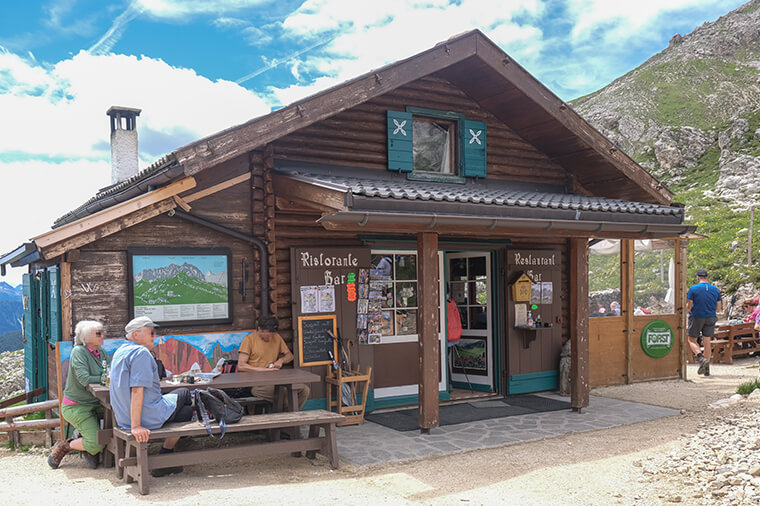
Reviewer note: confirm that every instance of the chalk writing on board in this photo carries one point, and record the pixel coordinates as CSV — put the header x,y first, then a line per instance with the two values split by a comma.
x,y
314,341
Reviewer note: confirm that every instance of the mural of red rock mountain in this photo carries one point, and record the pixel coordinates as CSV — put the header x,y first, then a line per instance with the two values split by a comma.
x,y
178,356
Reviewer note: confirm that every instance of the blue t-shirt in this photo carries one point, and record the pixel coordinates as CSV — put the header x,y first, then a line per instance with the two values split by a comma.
x,y
134,366
704,297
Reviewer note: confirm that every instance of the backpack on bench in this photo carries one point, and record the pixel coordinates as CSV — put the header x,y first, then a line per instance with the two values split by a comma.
x,y
213,402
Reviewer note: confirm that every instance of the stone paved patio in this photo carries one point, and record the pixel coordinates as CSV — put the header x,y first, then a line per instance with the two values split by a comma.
x,y
370,443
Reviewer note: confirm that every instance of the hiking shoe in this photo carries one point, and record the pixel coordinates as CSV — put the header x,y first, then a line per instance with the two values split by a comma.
x,y
707,368
704,365
92,460
158,473
60,449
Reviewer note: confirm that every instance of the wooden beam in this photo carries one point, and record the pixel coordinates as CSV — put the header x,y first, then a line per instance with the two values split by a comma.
x,y
627,286
182,203
535,91
427,329
680,303
234,141
578,324
317,196
107,229
112,213
217,187
66,310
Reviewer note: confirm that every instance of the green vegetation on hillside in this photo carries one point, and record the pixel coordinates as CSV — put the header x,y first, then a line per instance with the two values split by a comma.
x,y
181,289
684,92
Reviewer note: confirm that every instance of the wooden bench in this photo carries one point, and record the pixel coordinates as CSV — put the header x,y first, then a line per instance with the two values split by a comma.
x,y
734,340
134,463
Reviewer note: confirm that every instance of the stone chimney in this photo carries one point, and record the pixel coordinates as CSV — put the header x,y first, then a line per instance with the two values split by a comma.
x,y
123,142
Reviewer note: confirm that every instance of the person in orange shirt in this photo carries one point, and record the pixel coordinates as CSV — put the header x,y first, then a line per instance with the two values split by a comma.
x,y
265,350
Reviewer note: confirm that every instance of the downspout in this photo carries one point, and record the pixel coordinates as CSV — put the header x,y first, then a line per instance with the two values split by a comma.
x,y
243,237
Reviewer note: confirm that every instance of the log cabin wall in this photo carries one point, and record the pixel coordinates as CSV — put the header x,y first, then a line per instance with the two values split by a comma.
x,y
358,138
99,277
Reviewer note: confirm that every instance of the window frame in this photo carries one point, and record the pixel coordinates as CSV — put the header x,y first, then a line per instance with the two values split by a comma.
x,y
457,162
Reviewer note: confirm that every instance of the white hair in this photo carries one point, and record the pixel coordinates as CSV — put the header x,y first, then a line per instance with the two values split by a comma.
x,y
84,330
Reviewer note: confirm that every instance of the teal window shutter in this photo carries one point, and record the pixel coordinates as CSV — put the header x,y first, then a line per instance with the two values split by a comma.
x,y
400,156
54,304
474,142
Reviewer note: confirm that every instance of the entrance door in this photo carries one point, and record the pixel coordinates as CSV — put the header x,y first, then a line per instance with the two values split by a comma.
x,y
468,277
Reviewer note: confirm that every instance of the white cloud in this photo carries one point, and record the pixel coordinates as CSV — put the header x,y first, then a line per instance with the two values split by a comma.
x,y
64,106
180,9
54,138
370,35
42,192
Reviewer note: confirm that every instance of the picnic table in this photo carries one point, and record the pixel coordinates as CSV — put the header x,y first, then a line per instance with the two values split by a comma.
x,y
131,458
732,340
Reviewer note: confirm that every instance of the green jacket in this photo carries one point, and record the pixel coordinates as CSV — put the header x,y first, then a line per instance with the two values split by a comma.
x,y
83,370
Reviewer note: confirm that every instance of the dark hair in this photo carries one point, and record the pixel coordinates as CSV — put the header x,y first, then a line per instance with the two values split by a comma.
x,y
269,323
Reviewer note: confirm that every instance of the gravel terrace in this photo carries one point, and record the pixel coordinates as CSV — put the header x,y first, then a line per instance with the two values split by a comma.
x,y
707,455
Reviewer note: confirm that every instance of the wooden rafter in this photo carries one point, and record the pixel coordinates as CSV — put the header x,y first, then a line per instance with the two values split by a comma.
x,y
106,229
315,196
112,213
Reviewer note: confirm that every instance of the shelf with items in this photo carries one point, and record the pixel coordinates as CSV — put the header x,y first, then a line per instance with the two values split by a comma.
x,y
334,381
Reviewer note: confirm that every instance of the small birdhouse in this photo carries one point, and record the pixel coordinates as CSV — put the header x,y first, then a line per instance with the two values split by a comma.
x,y
521,288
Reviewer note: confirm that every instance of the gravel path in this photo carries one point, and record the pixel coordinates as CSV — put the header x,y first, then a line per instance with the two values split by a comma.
x,y
707,455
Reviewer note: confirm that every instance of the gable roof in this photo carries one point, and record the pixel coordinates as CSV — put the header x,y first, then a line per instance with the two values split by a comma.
x,y
487,74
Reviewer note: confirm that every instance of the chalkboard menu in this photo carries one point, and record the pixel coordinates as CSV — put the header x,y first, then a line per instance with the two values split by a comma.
x,y
314,341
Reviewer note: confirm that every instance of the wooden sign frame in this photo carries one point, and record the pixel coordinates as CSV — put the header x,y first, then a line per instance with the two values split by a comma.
x,y
301,319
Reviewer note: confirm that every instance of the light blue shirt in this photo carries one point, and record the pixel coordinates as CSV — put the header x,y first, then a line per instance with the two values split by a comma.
x,y
134,366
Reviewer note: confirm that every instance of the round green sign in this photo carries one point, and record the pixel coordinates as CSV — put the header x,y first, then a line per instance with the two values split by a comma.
x,y
657,339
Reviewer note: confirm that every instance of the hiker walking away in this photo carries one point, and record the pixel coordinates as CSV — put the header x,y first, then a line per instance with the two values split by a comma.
x,y
703,300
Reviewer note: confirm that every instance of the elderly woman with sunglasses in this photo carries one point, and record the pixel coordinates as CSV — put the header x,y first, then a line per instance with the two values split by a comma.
x,y
78,406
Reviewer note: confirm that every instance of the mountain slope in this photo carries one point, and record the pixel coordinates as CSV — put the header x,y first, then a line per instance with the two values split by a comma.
x,y
690,115
10,307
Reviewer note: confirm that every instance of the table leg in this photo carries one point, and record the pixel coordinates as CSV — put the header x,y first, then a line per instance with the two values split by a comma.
x,y
278,404
295,432
110,451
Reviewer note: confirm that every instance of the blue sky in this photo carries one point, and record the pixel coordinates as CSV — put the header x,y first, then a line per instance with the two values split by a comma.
x,y
195,67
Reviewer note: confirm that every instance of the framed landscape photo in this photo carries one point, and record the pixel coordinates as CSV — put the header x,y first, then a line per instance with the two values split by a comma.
x,y
180,286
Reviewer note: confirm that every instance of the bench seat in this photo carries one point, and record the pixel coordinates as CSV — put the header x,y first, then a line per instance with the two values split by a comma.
x,y
134,463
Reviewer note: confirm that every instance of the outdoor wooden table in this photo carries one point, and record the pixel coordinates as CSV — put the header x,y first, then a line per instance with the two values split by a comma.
x,y
282,379
734,339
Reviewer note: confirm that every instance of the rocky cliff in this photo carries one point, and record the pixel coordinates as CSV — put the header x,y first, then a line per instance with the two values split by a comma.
x,y
690,115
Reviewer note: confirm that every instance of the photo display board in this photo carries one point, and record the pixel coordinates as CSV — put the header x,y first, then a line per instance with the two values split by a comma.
x,y
326,281
314,340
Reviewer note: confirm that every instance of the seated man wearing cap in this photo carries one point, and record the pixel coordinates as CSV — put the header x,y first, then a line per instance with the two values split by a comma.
x,y
136,390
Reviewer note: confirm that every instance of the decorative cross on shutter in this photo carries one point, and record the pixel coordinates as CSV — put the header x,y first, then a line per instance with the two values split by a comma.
x,y
474,141
400,155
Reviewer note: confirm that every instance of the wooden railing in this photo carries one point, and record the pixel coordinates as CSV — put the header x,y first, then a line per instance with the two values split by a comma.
x,y
14,426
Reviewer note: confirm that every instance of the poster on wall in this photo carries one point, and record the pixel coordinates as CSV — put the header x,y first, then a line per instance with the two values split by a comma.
x,y
309,299
180,286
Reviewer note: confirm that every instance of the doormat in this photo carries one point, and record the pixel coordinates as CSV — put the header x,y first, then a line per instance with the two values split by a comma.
x,y
452,414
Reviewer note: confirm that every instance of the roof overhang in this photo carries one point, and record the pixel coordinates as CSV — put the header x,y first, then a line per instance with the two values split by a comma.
x,y
490,225
19,256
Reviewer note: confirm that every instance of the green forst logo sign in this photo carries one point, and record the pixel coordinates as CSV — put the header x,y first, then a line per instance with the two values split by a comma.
x,y
657,339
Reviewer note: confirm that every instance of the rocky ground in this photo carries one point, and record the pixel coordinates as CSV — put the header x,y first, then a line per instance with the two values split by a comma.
x,y
11,373
705,455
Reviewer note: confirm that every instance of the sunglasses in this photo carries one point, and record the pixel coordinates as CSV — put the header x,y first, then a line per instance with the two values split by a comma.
x,y
98,332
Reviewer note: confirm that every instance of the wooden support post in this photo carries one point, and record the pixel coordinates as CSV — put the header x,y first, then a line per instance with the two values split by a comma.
x,y
578,324
628,282
680,303
427,328
66,311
